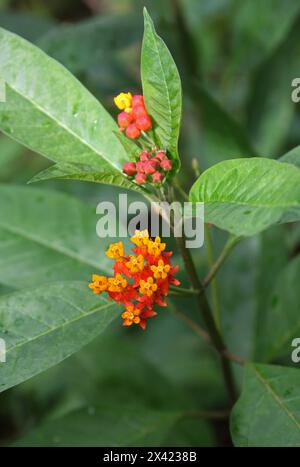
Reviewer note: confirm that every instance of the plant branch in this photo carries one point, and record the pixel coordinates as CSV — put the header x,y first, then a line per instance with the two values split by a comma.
x,y
214,285
231,243
205,310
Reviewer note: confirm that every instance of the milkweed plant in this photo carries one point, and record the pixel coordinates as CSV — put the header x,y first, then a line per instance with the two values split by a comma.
x,y
49,111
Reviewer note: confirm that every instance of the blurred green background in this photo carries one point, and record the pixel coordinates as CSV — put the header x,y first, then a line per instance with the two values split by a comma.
x,y
237,60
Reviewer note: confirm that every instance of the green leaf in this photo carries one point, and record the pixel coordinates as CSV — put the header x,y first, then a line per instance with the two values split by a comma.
x,y
162,89
292,157
280,321
115,426
80,45
43,326
69,171
245,196
268,411
47,236
48,110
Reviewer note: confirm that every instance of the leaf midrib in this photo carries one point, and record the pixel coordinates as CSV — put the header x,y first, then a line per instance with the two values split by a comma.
x,y
61,125
53,329
276,397
55,248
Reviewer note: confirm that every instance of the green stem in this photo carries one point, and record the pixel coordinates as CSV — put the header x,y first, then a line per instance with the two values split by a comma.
x,y
214,285
231,243
182,290
205,310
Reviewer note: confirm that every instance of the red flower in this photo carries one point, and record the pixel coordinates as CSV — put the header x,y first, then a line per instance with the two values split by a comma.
x,y
141,280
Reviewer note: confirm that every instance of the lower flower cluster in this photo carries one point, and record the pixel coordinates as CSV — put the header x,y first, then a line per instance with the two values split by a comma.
x,y
141,280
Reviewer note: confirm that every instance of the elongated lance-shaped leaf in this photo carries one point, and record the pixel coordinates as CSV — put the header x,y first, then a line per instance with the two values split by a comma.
x,y
48,110
71,171
162,89
48,236
245,196
267,413
43,326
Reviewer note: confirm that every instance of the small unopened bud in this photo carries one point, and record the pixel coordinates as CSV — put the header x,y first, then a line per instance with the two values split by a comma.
x,y
157,177
124,119
129,168
166,164
140,178
137,100
143,123
161,155
139,111
132,131
144,156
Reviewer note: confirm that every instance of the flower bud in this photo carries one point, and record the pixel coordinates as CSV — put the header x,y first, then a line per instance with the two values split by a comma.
x,y
129,168
144,156
137,100
143,123
166,164
150,167
132,131
140,166
124,119
157,177
161,155
139,111
140,178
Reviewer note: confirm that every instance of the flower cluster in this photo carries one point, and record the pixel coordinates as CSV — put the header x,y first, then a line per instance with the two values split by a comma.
x,y
151,167
134,117
141,280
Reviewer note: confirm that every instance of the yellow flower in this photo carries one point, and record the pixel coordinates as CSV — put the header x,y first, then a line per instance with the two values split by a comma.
x,y
123,101
147,287
135,263
140,237
131,315
155,248
117,283
115,250
161,270
99,284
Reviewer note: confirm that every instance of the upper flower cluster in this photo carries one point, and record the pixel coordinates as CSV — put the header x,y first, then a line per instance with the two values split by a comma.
x,y
140,280
134,117
152,166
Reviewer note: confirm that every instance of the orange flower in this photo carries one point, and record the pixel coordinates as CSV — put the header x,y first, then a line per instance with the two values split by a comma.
x,y
147,287
117,283
161,270
131,316
135,263
140,237
155,248
99,284
115,251
138,292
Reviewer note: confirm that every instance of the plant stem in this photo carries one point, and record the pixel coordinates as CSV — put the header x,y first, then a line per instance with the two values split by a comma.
x,y
183,290
214,285
204,335
231,243
204,307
